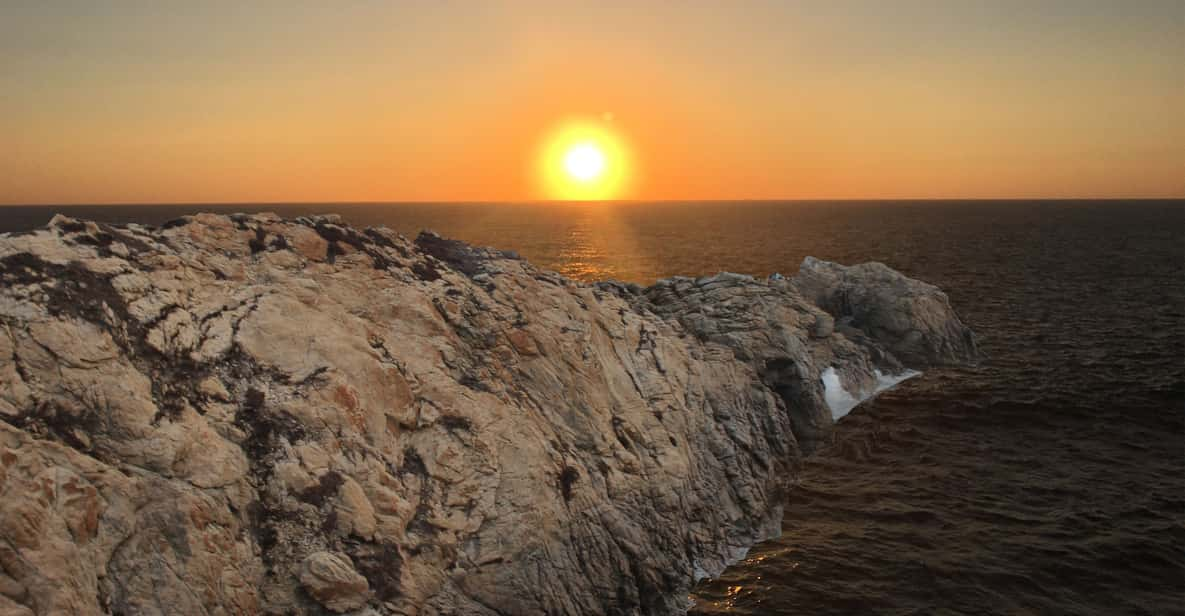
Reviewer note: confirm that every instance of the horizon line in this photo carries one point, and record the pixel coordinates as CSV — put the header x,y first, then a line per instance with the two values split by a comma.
x,y
580,201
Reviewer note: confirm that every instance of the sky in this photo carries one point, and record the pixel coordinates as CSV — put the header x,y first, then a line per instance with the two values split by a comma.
x,y
202,102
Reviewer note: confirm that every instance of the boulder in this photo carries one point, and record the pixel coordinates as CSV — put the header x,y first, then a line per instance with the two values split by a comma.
x,y
910,318
333,582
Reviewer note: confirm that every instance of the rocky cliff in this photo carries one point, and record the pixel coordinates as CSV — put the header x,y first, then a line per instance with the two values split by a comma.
x,y
244,414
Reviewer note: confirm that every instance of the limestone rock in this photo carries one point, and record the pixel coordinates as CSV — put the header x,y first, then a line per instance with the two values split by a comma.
x,y
245,414
333,582
824,326
908,317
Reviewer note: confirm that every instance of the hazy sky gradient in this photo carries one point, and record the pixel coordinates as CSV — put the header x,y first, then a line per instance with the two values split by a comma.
x,y
293,101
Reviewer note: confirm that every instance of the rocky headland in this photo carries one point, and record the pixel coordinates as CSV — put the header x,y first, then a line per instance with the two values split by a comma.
x,y
245,415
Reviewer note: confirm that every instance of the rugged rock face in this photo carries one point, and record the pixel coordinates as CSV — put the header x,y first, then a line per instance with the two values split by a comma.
x,y
241,415
872,302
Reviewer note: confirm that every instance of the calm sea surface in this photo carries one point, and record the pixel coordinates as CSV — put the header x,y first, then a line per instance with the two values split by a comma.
x,y
1049,479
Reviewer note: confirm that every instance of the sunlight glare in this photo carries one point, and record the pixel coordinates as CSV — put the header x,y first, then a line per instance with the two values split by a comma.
x,y
583,160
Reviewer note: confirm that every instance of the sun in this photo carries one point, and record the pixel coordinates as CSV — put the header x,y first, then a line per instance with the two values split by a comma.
x,y
585,162
584,159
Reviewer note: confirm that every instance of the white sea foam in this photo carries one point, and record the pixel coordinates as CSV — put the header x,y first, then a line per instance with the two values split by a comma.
x,y
889,381
838,399
841,401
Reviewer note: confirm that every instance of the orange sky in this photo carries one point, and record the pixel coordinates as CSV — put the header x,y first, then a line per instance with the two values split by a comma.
x,y
209,102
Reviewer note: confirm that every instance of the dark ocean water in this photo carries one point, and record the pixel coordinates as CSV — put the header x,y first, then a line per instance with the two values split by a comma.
x,y
1048,479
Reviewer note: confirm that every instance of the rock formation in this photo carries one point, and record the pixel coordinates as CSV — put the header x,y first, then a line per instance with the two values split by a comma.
x,y
244,414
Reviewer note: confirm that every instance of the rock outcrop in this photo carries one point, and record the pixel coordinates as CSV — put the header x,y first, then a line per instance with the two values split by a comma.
x,y
244,414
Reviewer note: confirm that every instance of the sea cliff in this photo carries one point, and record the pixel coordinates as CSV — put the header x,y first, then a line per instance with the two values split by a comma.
x,y
245,414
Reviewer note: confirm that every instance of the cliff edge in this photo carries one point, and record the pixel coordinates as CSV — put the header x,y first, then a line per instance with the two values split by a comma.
x,y
245,414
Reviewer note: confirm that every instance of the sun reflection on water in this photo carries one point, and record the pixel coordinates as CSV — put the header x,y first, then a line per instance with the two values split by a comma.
x,y
597,244
581,259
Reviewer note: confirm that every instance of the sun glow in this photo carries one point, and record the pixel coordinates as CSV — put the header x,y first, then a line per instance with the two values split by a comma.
x,y
584,160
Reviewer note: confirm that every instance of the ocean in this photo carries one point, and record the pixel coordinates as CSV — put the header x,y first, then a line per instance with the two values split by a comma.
x,y
1047,479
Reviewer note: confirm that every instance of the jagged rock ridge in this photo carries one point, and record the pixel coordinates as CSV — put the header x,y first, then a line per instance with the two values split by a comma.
x,y
244,414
